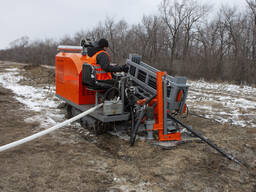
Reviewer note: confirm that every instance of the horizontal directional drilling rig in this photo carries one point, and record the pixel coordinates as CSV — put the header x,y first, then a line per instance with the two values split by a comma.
x,y
76,84
142,96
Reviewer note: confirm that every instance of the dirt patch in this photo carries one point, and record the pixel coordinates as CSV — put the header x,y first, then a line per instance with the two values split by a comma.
x,y
12,125
37,75
108,163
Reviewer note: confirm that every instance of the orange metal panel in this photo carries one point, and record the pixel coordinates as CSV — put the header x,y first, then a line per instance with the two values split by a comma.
x,y
169,137
159,119
159,125
68,76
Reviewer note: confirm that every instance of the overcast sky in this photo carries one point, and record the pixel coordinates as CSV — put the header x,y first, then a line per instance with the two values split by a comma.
x,y
40,19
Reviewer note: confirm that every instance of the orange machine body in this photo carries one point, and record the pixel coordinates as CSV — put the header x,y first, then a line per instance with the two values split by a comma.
x,y
68,78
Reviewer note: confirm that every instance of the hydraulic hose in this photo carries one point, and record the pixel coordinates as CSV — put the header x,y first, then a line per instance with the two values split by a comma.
x,y
134,130
109,91
132,119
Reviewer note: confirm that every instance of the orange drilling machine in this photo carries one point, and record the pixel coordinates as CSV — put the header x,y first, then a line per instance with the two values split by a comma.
x,y
142,100
143,96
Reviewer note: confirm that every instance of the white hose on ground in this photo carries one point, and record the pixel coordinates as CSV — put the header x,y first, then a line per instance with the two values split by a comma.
x,y
40,134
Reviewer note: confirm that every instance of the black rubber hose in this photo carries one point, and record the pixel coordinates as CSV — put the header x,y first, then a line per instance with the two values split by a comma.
x,y
230,157
109,91
141,116
132,119
134,131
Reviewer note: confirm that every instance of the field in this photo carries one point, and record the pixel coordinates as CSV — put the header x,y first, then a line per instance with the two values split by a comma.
x,y
73,159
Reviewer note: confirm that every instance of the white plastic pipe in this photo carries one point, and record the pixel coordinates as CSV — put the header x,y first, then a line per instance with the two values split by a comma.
x,y
42,133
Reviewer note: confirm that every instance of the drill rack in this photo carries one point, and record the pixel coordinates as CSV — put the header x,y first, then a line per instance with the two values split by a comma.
x,y
171,95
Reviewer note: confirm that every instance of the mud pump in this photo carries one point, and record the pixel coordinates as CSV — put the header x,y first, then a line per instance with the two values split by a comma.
x,y
142,96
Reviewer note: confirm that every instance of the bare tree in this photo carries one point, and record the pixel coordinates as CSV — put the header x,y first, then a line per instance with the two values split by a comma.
x,y
173,14
194,13
20,42
252,6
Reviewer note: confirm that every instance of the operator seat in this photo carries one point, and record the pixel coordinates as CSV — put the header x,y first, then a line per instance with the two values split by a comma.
x,y
90,81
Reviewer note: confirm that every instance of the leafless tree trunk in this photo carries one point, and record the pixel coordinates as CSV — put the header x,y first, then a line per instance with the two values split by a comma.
x,y
173,14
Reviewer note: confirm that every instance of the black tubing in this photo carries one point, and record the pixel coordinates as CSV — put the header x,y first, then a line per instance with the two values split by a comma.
x,y
132,119
141,116
134,131
109,91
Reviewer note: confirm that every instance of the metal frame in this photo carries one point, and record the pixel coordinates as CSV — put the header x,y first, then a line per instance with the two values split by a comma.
x,y
166,87
173,83
98,114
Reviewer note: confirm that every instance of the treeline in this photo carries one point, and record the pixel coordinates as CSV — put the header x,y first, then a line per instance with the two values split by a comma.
x,y
181,39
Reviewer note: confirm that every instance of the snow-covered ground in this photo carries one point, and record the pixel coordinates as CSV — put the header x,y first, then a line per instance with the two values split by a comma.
x,y
223,102
39,99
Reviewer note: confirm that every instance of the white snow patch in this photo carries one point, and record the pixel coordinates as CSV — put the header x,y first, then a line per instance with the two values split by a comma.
x,y
38,99
124,185
226,103
12,69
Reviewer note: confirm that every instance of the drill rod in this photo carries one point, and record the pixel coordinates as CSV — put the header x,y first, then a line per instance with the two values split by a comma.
x,y
228,156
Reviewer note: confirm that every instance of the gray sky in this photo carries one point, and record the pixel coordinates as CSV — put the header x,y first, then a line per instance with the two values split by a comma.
x,y
40,19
